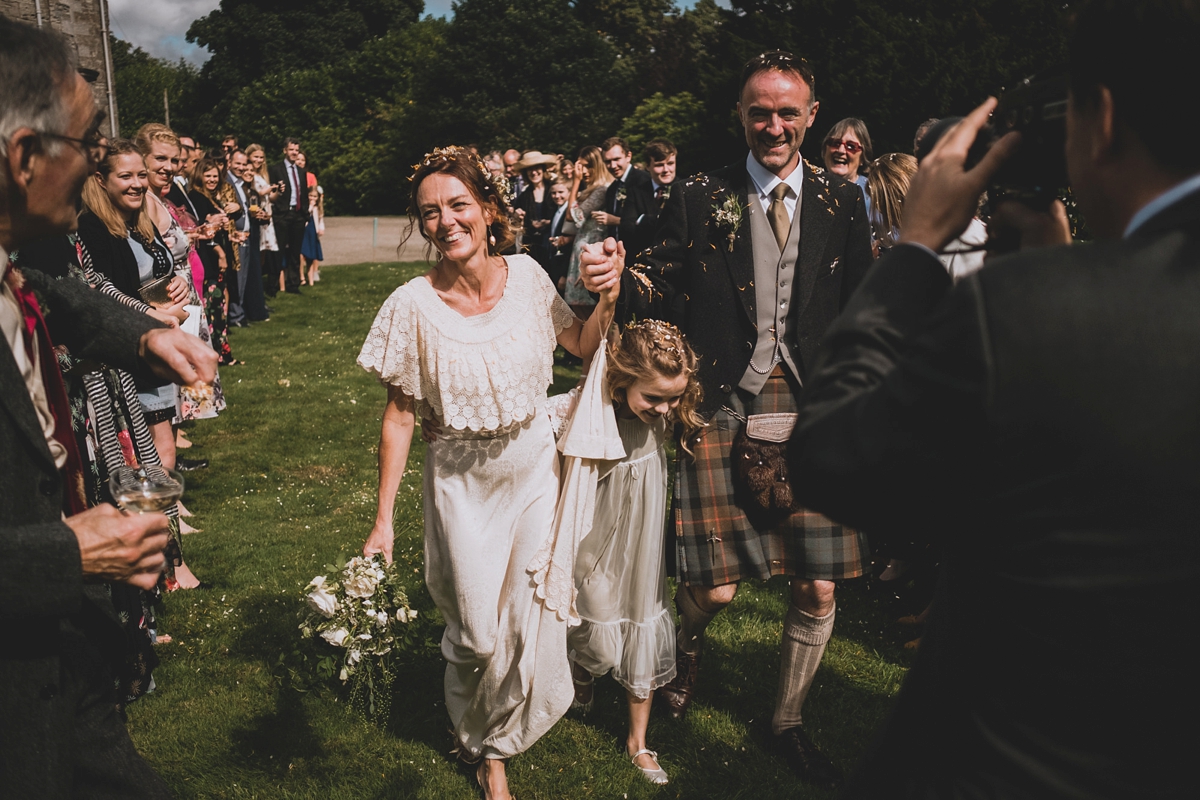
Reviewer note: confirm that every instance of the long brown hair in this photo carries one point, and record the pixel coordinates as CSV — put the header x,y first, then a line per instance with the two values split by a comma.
x,y
469,168
887,184
598,175
196,179
649,349
99,203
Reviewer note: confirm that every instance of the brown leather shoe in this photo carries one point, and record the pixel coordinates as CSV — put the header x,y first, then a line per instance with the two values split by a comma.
x,y
806,760
677,695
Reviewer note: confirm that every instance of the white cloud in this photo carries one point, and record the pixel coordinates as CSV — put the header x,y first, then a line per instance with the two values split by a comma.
x,y
160,26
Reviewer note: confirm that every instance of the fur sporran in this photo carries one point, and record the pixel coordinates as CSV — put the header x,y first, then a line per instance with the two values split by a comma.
x,y
760,461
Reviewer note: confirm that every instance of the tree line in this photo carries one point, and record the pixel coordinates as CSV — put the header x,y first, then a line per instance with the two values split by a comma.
x,y
370,85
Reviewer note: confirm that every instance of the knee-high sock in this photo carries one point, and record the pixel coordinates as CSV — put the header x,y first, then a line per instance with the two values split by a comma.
x,y
692,621
804,638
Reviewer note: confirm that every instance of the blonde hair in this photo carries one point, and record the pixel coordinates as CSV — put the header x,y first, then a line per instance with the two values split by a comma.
x,y
262,171
99,203
649,349
153,133
598,175
887,184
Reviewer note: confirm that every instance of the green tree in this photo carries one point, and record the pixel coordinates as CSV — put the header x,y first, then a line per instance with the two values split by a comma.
x,y
140,81
679,118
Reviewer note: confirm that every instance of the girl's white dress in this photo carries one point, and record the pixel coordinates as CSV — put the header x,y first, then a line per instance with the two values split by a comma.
x,y
490,486
620,569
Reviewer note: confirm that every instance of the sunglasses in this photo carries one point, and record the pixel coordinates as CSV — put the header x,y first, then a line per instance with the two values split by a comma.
x,y
853,148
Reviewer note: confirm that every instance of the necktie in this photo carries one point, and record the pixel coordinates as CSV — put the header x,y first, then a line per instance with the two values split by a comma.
x,y
660,193
295,183
778,215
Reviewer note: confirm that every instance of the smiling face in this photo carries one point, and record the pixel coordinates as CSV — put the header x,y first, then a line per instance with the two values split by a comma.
x,y
535,175
653,397
257,159
559,193
843,156
162,162
126,184
664,171
238,164
776,110
211,179
452,218
617,159
292,152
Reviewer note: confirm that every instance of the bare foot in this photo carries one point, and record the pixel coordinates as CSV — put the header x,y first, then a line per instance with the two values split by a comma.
x,y
181,441
162,638
185,577
492,778
185,528
183,512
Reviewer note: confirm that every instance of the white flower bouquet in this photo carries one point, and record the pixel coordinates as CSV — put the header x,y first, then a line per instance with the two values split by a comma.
x,y
364,613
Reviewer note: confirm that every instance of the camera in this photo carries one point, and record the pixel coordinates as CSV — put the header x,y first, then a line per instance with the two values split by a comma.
x,y
1037,109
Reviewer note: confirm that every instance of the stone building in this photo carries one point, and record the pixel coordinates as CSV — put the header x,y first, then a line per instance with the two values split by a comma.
x,y
85,23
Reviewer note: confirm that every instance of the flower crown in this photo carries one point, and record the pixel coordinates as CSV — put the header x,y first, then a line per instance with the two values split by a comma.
x,y
663,336
442,155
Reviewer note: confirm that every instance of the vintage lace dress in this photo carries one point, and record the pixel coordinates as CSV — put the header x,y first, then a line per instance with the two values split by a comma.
x,y
620,569
490,486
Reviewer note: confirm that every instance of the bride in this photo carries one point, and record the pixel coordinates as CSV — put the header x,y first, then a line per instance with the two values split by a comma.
x,y
468,347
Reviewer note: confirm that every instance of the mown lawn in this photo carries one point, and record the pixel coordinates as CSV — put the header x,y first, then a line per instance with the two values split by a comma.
x,y
292,486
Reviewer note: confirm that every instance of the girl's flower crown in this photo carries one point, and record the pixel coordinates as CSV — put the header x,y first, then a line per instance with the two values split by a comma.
x,y
663,336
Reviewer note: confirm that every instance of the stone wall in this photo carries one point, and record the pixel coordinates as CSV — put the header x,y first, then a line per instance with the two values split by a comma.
x,y
80,22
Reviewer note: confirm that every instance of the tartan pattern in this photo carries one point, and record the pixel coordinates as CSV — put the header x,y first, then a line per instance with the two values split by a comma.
x,y
718,542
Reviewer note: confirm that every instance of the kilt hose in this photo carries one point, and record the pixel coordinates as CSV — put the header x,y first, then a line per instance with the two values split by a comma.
x,y
721,537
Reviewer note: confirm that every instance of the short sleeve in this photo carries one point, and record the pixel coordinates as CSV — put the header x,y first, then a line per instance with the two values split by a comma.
x,y
391,351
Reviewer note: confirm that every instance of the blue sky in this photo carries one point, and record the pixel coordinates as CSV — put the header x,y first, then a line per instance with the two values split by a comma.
x,y
160,26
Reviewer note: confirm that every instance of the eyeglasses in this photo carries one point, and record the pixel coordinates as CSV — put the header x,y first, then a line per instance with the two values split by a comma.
x,y
853,148
93,147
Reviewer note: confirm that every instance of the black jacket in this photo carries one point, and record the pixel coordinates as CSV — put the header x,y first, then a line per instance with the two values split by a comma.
x,y
285,202
690,277
635,193
1041,420
112,257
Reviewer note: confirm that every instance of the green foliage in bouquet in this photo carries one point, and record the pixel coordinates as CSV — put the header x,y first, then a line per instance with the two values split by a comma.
x,y
362,612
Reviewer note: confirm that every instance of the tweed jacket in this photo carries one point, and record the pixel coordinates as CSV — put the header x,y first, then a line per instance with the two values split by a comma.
x,y
693,278
51,618
1040,420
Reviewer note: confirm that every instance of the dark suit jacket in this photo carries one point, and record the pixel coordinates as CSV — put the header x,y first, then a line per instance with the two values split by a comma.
x,y
285,202
54,623
640,220
639,195
1041,420
690,277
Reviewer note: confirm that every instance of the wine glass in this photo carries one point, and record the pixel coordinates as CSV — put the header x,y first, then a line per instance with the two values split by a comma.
x,y
145,488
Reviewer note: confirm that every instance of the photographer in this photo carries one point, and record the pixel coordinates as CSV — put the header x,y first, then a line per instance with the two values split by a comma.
x,y
1047,405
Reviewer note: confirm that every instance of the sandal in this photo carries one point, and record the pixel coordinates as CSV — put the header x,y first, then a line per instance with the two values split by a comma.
x,y
658,775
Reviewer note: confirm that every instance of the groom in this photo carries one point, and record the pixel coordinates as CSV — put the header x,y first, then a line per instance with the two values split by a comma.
x,y
762,255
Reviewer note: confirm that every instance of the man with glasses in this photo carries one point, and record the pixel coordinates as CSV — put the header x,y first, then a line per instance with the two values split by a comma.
x,y
760,256
60,733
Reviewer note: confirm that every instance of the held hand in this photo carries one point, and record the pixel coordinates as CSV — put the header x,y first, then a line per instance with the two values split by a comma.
x,y
601,264
380,541
178,289
943,194
166,318
430,431
231,208
178,357
115,546
1018,225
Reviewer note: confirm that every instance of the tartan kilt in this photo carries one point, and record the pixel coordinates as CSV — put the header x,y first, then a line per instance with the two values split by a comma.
x,y
721,537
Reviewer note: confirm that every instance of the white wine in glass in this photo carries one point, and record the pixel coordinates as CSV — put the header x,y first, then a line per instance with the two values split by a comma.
x,y
145,489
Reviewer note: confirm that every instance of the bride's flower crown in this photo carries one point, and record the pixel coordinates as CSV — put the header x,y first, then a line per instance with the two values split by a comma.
x,y
443,155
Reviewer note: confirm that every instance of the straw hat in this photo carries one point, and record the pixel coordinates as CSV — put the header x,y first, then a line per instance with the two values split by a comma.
x,y
535,158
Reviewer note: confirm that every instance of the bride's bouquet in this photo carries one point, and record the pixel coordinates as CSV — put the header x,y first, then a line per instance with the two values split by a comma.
x,y
362,611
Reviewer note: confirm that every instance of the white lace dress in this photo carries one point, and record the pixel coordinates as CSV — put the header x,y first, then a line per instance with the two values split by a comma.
x,y
620,569
490,486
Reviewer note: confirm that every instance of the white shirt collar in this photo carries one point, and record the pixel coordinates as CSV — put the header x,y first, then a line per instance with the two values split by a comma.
x,y
625,174
765,181
1165,200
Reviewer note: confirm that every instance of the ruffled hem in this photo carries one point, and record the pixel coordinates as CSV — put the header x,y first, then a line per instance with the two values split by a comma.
x,y
640,655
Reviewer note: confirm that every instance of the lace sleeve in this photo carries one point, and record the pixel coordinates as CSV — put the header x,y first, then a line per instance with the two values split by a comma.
x,y
560,313
391,351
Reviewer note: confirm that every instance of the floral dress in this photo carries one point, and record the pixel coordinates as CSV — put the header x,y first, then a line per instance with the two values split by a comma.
x,y
588,232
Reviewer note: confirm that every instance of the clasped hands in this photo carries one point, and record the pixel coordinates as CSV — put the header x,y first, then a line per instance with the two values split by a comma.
x,y
942,197
600,267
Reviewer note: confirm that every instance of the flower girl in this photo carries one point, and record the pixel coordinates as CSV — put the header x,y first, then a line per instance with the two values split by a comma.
x,y
620,569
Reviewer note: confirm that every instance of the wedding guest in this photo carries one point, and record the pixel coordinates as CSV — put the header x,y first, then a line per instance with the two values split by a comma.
x,y
589,189
565,169
62,734
206,183
560,238
641,213
310,250
290,211
847,153
508,679
620,569
630,187
887,183
533,206
268,245
229,145
250,305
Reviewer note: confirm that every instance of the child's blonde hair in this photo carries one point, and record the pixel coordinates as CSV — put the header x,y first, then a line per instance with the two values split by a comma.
x,y
648,349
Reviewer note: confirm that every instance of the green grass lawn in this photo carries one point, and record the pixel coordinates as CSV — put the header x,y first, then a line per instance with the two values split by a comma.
x,y
292,487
